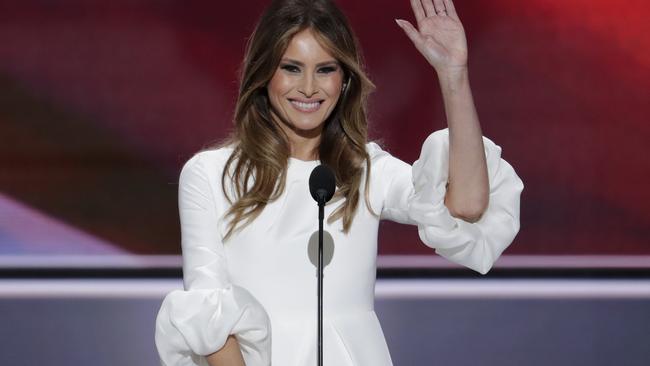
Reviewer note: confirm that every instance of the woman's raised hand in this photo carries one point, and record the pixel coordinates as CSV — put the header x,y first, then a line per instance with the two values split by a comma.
x,y
440,36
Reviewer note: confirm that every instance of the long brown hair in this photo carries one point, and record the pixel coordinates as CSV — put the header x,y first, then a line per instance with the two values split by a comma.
x,y
261,148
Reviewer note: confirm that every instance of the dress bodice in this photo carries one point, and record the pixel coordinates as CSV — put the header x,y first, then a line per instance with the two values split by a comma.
x,y
261,283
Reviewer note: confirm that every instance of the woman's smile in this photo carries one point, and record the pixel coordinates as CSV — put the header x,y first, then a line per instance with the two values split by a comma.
x,y
306,106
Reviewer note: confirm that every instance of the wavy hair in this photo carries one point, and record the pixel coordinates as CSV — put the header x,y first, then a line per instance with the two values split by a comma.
x,y
257,167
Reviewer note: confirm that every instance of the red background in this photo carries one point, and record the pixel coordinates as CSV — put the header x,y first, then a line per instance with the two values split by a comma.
x,y
102,102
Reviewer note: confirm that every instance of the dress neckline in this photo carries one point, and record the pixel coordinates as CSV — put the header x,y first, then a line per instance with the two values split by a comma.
x,y
305,164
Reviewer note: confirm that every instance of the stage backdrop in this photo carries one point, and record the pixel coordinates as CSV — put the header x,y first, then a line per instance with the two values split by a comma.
x,y
102,102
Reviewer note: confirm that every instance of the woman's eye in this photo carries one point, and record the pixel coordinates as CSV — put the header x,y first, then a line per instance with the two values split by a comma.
x,y
290,68
328,69
296,69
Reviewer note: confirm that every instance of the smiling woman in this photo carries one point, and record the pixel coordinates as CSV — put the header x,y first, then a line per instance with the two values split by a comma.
x,y
303,92
300,53
246,212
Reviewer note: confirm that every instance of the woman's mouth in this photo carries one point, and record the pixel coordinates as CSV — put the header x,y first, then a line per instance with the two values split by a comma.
x,y
306,107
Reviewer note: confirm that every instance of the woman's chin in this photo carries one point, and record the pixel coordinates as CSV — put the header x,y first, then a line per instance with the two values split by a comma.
x,y
300,125
307,129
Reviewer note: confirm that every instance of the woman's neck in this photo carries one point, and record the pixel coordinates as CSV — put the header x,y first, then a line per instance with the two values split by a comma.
x,y
304,151
303,143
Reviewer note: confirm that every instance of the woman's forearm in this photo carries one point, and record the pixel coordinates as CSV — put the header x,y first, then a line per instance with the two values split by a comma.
x,y
468,191
228,355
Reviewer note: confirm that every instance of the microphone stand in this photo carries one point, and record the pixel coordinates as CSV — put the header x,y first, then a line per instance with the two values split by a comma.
x,y
322,185
321,215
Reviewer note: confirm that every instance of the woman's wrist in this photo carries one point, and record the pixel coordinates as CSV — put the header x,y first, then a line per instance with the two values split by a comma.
x,y
228,355
453,78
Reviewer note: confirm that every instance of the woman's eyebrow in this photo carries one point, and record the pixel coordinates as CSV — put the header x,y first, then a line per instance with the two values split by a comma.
x,y
331,62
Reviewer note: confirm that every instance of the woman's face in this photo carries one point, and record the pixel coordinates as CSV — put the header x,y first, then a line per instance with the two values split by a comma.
x,y
305,87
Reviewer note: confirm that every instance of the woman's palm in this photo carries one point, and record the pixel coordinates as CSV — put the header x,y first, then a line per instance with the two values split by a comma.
x,y
444,41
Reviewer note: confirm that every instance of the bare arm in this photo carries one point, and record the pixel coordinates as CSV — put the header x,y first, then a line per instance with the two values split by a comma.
x,y
229,355
468,190
440,38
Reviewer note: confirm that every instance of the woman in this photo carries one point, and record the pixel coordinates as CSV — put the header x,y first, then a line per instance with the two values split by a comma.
x,y
247,216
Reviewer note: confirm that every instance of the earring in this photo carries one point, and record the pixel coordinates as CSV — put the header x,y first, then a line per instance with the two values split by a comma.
x,y
345,84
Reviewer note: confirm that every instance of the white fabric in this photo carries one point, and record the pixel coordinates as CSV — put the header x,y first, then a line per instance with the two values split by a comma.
x,y
260,285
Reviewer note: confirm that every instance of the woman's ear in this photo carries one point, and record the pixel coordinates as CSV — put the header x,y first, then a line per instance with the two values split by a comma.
x,y
345,84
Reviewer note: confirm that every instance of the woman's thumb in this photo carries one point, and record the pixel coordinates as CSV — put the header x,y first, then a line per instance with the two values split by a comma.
x,y
410,30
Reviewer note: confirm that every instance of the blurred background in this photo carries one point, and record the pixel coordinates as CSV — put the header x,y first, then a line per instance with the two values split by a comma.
x,y
101,103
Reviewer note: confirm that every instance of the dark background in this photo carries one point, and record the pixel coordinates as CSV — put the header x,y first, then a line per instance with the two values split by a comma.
x,y
102,102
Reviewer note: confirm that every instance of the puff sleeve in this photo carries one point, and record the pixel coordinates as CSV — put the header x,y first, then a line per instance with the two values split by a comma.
x,y
196,321
415,195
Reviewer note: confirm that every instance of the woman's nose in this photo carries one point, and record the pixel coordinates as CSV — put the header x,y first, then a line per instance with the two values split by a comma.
x,y
308,86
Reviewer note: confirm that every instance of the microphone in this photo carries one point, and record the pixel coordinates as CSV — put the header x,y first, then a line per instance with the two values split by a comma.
x,y
322,184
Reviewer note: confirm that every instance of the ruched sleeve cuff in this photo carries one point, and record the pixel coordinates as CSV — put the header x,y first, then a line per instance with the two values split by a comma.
x,y
196,323
474,245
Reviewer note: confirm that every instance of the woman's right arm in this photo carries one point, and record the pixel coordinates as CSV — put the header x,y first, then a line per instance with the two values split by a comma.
x,y
199,320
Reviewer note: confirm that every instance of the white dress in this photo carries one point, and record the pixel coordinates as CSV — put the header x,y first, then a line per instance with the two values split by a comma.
x,y
261,285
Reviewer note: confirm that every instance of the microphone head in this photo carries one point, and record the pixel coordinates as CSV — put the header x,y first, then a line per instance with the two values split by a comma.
x,y
322,184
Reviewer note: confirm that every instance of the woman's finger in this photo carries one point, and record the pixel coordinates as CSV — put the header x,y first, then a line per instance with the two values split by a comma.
x,y
410,31
429,9
417,10
440,7
451,9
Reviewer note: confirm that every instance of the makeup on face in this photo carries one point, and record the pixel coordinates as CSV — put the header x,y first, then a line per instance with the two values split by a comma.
x,y
305,87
